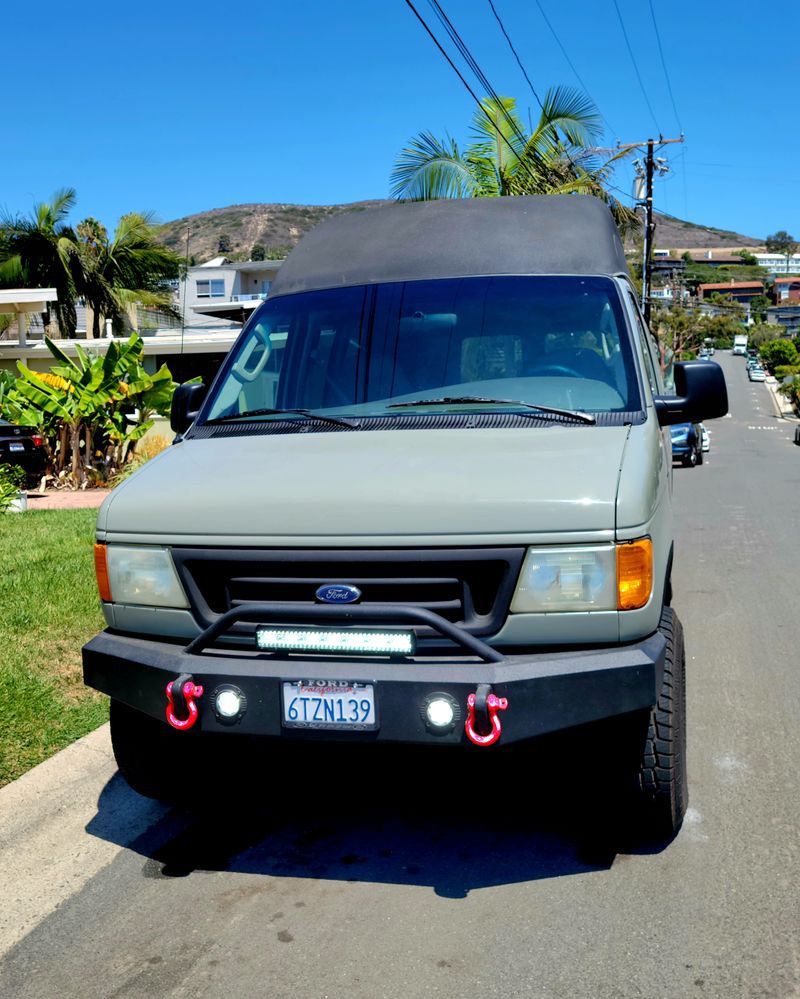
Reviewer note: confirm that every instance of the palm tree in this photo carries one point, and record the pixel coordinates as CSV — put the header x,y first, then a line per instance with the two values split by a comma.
x,y
41,251
130,269
558,157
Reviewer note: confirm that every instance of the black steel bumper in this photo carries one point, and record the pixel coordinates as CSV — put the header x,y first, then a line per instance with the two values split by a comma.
x,y
545,691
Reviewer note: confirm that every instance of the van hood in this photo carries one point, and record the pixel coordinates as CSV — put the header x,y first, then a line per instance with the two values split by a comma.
x,y
340,486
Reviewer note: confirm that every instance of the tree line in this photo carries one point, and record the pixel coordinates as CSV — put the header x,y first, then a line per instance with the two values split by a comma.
x,y
85,263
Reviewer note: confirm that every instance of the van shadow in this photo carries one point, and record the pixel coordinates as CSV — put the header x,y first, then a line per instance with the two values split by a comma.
x,y
452,821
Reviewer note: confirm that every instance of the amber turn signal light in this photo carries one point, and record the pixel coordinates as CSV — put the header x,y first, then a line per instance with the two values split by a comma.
x,y
101,571
634,574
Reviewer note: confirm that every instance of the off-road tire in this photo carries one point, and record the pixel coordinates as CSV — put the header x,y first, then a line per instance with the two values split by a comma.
x,y
156,761
661,794
691,458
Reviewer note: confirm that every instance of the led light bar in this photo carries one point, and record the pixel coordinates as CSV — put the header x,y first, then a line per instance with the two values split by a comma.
x,y
394,643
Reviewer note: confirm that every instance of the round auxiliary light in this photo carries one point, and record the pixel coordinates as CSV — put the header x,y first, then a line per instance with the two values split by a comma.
x,y
229,703
441,713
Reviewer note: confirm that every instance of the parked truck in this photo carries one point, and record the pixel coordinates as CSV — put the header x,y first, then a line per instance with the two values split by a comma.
x,y
427,499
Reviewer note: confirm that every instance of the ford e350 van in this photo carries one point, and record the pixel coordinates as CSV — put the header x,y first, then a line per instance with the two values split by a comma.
x,y
427,499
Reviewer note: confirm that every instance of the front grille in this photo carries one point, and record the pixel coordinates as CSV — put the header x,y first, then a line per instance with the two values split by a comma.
x,y
471,588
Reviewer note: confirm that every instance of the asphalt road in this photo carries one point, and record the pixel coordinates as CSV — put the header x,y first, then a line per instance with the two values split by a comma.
x,y
406,881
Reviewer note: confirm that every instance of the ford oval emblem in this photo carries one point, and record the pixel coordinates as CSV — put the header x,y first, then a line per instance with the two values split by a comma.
x,y
338,593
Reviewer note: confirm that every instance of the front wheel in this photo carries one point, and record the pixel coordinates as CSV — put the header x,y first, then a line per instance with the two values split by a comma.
x,y
660,792
645,789
691,458
152,757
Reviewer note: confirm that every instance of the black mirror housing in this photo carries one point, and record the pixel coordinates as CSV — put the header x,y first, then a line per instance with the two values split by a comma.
x,y
186,403
701,394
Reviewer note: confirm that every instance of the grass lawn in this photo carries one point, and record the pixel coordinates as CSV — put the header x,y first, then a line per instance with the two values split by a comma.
x,y
48,608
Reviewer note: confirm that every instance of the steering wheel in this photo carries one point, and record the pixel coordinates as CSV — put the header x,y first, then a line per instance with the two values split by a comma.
x,y
556,369
240,372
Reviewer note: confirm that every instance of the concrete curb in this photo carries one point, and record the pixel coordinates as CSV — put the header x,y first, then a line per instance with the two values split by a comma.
x,y
45,852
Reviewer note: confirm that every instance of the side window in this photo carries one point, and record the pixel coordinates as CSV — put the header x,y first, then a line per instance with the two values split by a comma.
x,y
651,366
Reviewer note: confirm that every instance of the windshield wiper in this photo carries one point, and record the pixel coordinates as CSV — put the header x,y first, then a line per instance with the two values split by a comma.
x,y
309,413
461,400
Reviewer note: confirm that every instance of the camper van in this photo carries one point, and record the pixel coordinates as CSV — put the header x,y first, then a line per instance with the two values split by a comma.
x,y
426,500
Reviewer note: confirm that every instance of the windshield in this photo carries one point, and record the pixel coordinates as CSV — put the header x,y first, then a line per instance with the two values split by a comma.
x,y
452,345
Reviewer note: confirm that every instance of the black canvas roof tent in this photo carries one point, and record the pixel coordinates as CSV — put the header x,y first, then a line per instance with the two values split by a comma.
x,y
417,241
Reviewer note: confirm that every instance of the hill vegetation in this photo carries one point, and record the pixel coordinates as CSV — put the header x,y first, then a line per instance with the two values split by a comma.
x,y
278,227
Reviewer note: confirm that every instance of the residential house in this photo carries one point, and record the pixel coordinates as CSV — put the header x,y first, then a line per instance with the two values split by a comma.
x,y
221,294
739,291
787,316
787,289
777,263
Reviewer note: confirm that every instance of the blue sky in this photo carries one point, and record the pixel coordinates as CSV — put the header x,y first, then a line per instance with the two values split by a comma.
x,y
178,108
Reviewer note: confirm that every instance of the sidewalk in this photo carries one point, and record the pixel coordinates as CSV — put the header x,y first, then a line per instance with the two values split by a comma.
x,y
783,406
66,499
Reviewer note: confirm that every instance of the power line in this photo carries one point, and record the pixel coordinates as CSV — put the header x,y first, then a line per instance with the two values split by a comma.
x,y
636,68
467,55
611,129
519,61
481,76
447,57
671,97
664,66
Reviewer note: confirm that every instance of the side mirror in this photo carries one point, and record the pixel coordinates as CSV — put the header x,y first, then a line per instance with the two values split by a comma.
x,y
701,394
186,403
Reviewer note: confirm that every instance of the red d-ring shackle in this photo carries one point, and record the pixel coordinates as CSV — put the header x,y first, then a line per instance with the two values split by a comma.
x,y
493,705
190,690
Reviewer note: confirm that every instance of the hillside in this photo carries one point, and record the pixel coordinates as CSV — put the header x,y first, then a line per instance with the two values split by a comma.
x,y
672,232
276,227
279,227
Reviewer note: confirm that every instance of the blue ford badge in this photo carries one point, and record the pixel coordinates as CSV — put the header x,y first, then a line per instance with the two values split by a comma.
x,y
338,593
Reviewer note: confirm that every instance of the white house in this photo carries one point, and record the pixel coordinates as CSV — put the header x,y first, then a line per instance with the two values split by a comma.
x,y
776,263
221,294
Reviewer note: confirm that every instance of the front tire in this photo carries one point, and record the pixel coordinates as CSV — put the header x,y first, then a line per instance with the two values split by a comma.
x,y
153,758
691,458
661,793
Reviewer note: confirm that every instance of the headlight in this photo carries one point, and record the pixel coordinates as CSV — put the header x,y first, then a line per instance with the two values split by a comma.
x,y
567,579
585,578
140,575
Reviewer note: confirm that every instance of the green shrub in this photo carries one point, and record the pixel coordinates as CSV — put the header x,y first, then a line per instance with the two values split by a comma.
x,y
12,480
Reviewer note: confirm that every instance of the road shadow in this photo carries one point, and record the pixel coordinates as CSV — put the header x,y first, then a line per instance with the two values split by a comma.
x,y
453,821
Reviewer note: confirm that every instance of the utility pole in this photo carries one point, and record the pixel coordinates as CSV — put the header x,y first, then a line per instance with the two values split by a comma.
x,y
647,203
185,286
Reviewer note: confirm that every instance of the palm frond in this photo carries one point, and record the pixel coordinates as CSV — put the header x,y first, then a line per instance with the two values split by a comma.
x,y
430,168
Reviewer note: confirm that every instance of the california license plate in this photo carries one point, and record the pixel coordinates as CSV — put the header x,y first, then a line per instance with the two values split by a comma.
x,y
332,704
16,447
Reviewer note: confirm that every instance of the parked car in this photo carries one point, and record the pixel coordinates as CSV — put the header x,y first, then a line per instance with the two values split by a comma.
x,y
686,445
757,374
705,440
23,446
443,432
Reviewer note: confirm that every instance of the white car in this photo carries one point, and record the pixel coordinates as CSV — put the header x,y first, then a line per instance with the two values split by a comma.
x,y
757,375
705,439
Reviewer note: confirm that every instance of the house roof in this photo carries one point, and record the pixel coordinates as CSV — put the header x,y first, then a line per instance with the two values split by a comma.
x,y
728,285
788,280
451,238
26,299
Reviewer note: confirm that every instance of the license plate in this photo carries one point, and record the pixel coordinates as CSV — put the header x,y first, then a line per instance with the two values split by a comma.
x,y
16,447
329,704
